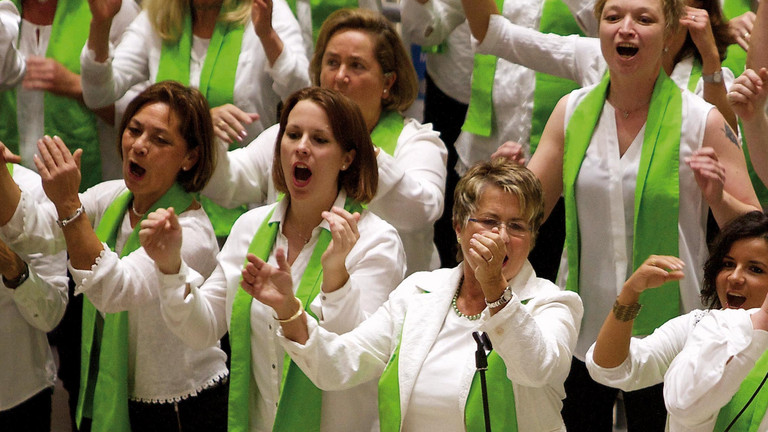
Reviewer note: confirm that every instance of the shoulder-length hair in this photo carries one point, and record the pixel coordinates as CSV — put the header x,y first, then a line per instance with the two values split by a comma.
x,y
191,109
167,16
361,178
388,49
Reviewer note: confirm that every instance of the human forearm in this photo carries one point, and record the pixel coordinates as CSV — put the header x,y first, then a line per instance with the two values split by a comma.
x,y
478,14
756,135
757,57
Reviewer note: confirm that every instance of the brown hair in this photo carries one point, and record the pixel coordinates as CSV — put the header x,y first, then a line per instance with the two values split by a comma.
x,y
361,178
673,11
389,52
511,178
195,126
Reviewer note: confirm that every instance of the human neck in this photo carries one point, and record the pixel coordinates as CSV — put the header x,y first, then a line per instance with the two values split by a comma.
x,y
629,95
204,18
372,119
303,216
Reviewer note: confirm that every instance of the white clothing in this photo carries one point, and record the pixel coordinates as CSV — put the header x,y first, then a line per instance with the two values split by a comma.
x,y
161,367
376,265
304,17
605,190
258,87
27,313
717,356
12,63
534,339
572,57
409,195
33,41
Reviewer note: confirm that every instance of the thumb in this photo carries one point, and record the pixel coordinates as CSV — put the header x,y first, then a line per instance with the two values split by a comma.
x,y
77,155
282,261
173,220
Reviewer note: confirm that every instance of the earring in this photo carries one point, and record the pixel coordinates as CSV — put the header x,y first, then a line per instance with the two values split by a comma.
x,y
343,167
666,50
458,239
385,91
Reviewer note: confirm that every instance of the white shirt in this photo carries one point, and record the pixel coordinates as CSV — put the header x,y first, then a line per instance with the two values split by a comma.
x,y
534,340
605,191
409,195
12,64
161,367
27,313
376,265
258,86
717,356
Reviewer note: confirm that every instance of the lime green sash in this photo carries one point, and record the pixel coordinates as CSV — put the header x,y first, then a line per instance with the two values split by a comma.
x,y
104,350
217,83
557,19
9,166
656,193
479,120
387,131
320,9
300,408
389,393
62,116
752,417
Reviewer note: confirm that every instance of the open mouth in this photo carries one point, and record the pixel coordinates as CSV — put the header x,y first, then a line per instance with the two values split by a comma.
x,y
301,173
626,50
735,301
506,258
136,169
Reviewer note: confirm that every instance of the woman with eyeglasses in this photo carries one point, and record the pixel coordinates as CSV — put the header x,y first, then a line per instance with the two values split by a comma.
x,y
419,344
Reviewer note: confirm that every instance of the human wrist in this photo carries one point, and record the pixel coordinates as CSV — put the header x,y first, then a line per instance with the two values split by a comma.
x,y
14,279
66,216
289,312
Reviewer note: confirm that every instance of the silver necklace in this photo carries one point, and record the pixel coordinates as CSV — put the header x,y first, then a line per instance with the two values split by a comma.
x,y
135,213
474,317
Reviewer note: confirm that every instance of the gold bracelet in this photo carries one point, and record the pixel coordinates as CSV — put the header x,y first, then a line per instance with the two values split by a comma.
x,y
296,315
626,313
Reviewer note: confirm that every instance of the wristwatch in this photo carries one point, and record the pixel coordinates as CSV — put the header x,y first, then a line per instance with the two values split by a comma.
x,y
506,296
716,77
17,281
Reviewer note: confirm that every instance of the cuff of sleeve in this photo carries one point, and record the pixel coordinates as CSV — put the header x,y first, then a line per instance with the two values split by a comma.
x,y
283,66
173,286
84,279
607,376
329,301
15,226
492,36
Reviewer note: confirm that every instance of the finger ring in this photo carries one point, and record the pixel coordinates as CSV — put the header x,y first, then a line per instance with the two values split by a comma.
x,y
490,260
746,35
222,124
652,263
692,17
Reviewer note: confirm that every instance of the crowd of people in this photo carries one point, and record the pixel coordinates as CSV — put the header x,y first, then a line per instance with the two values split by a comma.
x,y
229,215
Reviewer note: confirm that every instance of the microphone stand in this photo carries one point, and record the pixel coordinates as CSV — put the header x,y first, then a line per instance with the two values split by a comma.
x,y
481,363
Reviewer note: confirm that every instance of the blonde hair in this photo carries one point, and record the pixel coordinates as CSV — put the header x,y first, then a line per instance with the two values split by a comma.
x,y
672,9
167,16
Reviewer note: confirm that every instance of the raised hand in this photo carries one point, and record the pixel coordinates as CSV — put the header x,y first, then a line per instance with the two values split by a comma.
x,y
270,285
160,236
6,156
47,74
511,151
700,29
261,15
740,29
748,93
485,257
708,172
344,235
104,10
655,271
229,121
60,173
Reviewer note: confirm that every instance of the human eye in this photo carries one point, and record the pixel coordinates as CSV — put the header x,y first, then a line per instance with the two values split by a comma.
x,y
646,19
331,62
358,65
756,269
611,17
321,139
728,264
133,130
161,140
489,223
517,227
293,135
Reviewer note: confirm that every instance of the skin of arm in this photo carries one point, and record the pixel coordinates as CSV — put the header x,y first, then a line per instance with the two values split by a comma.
x,y
758,57
547,162
612,346
748,98
478,15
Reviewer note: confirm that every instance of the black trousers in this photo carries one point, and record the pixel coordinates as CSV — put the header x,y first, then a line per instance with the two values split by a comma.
x,y
32,415
588,405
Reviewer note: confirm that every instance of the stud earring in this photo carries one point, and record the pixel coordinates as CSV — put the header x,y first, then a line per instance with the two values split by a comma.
x,y
666,50
385,91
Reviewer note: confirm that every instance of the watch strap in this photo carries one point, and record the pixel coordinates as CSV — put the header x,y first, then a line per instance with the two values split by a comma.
x,y
17,281
506,296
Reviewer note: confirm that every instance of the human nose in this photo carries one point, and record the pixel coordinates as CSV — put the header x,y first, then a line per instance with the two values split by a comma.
x,y
140,145
341,75
627,25
302,146
737,275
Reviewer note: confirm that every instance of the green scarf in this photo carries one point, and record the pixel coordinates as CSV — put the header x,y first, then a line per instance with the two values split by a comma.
x,y
321,9
9,166
751,418
387,131
65,117
479,120
656,193
300,401
217,83
104,350
555,18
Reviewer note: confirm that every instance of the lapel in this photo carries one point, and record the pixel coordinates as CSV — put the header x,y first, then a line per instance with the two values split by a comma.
x,y
423,321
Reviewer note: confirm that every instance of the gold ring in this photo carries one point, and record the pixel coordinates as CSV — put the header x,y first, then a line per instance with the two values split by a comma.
x,y
652,263
490,260
222,124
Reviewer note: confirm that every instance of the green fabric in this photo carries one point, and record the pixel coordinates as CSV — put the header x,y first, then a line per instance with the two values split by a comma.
x,y
752,417
9,166
387,131
106,399
65,117
217,83
501,399
479,120
656,194
389,393
320,9
300,408
555,18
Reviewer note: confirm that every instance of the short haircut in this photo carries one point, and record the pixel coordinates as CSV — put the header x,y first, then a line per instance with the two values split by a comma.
x,y
508,176
195,126
361,178
673,11
389,52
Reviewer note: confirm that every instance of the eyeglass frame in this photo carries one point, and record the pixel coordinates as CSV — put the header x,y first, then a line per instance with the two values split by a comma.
x,y
491,223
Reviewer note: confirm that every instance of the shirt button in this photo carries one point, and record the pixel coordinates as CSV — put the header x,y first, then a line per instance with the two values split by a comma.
x,y
270,326
273,366
323,297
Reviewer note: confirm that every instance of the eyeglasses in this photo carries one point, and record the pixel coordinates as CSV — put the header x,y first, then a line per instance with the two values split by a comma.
x,y
515,228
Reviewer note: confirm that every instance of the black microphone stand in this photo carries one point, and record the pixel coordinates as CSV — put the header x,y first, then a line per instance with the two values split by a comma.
x,y
481,363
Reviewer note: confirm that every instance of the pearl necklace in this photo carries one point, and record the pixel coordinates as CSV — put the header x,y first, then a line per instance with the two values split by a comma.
x,y
135,213
474,317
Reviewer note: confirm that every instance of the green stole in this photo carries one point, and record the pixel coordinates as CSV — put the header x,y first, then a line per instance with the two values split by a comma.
x,y
751,418
65,117
217,83
501,399
555,18
300,402
104,350
9,166
387,131
320,9
656,208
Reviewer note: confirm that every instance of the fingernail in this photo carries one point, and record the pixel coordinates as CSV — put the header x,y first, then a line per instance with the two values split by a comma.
x,y
243,133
